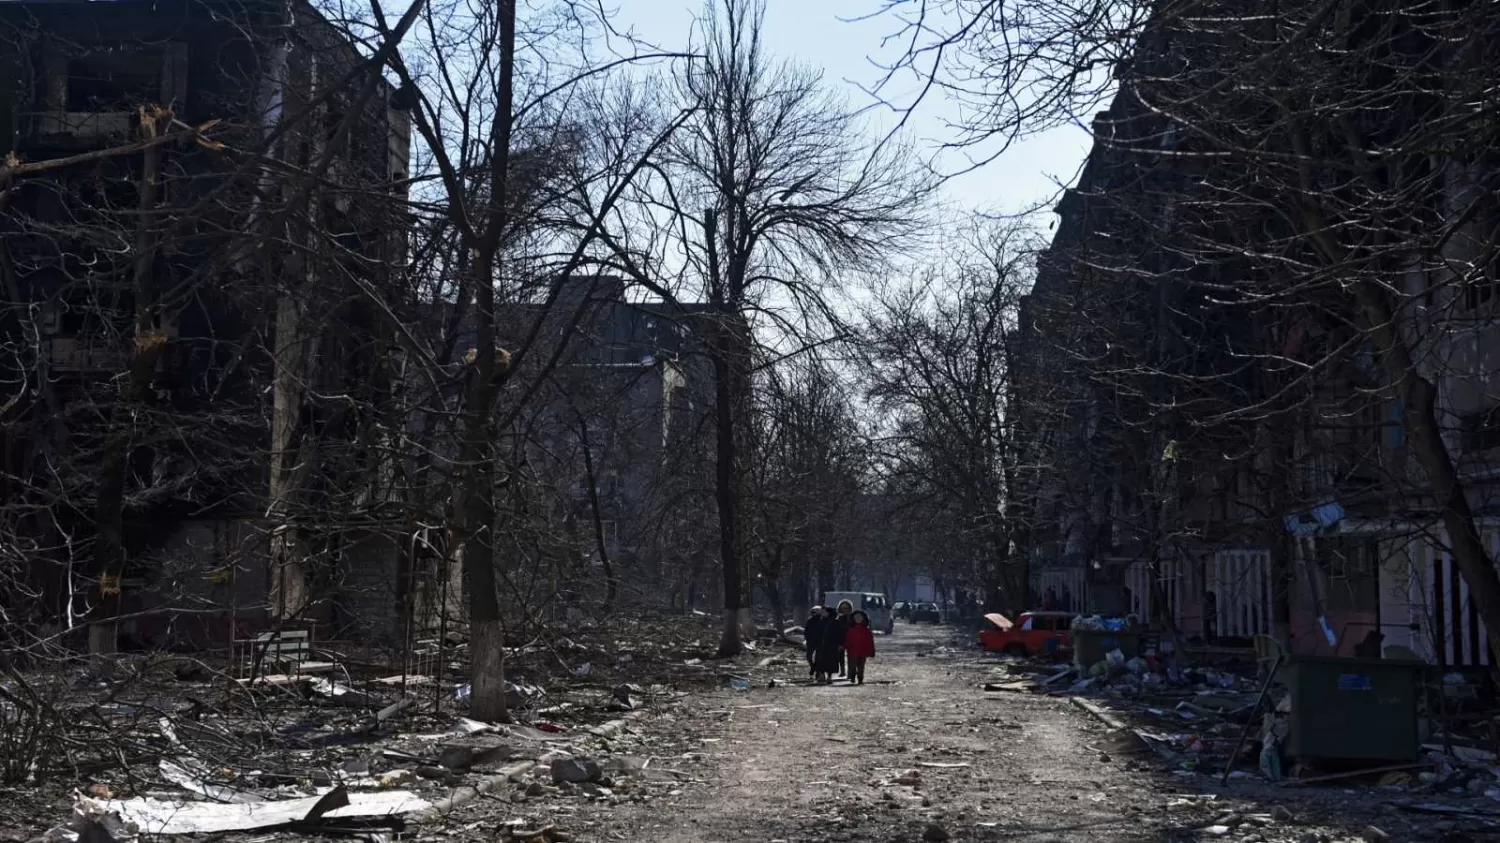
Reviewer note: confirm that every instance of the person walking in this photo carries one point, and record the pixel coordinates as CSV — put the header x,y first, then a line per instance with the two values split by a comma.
x,y
831,643
812,635
859,643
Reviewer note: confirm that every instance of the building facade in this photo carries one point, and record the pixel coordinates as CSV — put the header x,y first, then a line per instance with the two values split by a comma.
x,y
183,243
1218,440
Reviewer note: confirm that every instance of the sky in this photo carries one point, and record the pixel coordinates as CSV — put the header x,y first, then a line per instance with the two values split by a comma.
x,y
826,34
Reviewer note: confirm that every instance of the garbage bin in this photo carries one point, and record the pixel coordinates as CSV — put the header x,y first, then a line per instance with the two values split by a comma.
x,y
1090,646
1353,709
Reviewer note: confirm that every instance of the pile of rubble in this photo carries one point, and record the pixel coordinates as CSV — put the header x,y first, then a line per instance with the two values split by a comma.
x,y
150,752
377,789
1227,723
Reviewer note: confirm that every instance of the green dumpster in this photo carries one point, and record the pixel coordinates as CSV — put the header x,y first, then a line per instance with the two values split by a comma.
x,y
1353,709
1090,646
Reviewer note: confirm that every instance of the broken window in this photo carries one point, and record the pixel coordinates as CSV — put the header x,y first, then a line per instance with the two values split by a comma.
x,y
113,80
95,90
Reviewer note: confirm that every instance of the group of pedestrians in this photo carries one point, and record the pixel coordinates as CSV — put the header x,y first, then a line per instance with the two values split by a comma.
x,y
838,642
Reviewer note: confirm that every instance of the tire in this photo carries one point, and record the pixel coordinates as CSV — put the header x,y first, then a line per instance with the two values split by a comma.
x,y
1015,650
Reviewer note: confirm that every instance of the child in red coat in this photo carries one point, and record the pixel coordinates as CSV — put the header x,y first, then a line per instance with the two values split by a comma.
x,y
859,643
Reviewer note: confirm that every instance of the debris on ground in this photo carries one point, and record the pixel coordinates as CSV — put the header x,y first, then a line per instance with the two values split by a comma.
x,y
152,816
165,750
1191,718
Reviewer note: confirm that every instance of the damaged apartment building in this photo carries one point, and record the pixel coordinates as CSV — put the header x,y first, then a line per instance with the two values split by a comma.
x,y
1222,452
610,453
187,363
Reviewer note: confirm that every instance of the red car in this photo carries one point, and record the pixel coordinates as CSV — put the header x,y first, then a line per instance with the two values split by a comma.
x,y
1033,634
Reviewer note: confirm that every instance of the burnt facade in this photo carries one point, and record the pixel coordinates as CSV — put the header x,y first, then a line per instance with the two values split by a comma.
x,y
190,213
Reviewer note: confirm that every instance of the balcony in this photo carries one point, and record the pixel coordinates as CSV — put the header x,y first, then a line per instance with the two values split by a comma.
x,y
91,97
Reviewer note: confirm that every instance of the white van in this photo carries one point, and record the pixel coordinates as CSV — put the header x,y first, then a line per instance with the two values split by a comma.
x,y
875,606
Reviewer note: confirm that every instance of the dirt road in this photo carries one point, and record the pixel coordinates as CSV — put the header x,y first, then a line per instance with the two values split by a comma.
x,y
920,747
919,753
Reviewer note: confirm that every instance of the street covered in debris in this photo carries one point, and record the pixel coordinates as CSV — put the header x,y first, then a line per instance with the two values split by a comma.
x,y
938,745
749,420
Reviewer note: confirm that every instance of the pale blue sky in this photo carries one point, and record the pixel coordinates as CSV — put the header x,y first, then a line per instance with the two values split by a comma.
x,y
818,32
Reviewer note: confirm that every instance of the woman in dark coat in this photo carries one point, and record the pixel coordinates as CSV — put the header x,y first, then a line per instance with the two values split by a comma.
x,y
812,635
831,643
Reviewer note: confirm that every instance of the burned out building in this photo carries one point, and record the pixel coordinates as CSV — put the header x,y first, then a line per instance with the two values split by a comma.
x,y
191,205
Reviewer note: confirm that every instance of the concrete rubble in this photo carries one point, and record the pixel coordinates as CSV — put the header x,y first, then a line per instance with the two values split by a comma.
x,y
376,750
1191,719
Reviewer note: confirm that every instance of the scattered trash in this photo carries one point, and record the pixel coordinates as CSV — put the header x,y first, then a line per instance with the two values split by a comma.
x,y
739,684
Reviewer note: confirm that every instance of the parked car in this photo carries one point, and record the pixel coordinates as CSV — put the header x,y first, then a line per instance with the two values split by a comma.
x,y
901,609
875,606
926,613
1032,634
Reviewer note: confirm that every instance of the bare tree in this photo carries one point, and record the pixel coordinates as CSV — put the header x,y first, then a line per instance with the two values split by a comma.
x,y
770,196
518,202
937,364
808,468
1300,206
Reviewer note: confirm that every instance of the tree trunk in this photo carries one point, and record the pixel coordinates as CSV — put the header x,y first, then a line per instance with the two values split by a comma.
x,y
611,581
726,491
487,671
778,603
478,454
802,590
150,342
288,565
1283,581
487,639
825,581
